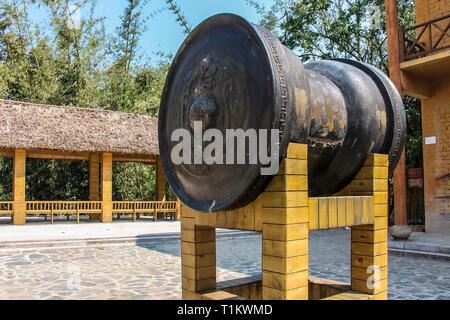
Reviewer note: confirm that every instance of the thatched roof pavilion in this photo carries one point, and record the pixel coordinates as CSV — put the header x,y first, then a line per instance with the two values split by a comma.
x,y
101,137
34,126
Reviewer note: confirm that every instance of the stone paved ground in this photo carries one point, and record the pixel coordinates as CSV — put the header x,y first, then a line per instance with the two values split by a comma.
x,y
152,270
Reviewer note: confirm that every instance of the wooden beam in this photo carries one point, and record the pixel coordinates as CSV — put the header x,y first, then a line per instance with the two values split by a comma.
x,y
417,87
160,181
106,188
393,42
19,175
433,67
6,153
94,177
198,258
59,155
369,244
395,75
79,156
400,191
94,181
285,242
149,159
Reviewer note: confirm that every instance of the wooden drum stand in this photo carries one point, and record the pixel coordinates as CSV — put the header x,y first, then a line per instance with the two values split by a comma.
x,y
285,214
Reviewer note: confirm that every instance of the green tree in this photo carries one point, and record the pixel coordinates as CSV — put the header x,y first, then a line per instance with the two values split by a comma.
x,y
27,65
75,63
134,182
180,18
350,29
79,50
6,167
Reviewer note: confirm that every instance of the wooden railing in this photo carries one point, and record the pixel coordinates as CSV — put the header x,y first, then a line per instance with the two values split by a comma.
x,y
77,208
135,208
6,208
425,38
63,208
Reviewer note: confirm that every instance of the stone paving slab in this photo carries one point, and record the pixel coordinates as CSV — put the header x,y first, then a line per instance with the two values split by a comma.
x,y
152,271
69,234
139,240
44,231
424,242
410,277
419,254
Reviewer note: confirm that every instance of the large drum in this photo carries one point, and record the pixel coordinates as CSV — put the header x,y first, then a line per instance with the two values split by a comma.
x,y
231,74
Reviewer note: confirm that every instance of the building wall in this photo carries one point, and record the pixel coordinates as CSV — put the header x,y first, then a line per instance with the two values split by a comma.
x,y
427,10
431,9
436,123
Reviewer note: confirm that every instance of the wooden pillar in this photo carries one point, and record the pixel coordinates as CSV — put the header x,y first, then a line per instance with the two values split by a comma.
x,y
94,181
285,230
369,250
198,258
106,188
19,175
394,47
401,218
160,181
393,38
178,213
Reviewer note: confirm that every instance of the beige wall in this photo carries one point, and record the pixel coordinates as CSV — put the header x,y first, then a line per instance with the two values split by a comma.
x,y
431,9
436,123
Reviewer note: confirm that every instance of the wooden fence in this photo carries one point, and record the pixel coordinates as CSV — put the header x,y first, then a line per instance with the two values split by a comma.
x,y
135,208
6,208
63,208
167,209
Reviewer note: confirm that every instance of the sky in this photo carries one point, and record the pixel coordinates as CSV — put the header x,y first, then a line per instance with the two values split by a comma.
x,y
164,33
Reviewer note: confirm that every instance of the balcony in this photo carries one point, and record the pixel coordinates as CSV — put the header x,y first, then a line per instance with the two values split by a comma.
x,y
425,39
425,56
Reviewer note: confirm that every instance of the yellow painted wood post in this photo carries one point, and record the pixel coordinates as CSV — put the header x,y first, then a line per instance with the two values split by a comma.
x,y
19,175
178,213
106,215
160,181
155,215
369,262
285,230
198,258
94,181
78,213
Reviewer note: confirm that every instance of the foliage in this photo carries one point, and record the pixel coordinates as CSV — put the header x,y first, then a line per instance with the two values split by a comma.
x,y
349,29
65,61
133,182
181,19
57,180
6,166
414,145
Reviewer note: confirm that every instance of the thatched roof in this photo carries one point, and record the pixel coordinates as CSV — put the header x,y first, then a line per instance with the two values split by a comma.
x,y
33,126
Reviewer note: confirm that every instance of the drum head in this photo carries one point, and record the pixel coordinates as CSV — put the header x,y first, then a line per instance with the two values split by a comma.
x,y
223,76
